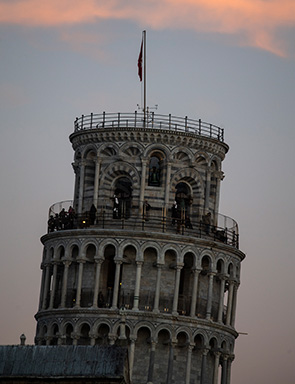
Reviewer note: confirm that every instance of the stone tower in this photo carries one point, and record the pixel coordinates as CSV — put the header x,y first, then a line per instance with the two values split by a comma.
x,y
141,256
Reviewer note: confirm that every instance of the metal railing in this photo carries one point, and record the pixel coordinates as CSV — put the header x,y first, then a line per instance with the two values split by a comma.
x,y
152,121
222,229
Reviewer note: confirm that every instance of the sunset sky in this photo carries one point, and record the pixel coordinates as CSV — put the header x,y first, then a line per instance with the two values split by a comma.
x,y
228,62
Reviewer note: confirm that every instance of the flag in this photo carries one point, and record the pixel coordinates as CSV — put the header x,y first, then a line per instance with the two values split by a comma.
x,y
139,63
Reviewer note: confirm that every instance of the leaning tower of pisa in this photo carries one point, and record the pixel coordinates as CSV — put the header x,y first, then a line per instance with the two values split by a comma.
x,y
141,256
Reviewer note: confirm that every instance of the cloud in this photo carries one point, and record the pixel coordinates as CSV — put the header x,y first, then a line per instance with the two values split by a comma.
x,y
256,22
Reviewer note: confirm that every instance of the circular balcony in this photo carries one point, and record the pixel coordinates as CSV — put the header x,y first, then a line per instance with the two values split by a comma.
x,y
221,228
148,121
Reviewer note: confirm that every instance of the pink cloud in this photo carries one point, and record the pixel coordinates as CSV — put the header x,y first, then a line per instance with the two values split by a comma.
x,y
255,21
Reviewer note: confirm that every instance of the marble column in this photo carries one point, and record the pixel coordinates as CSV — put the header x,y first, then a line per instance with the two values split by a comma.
x,y
131,355
158,289
96,181
151,363
229,302
42,286
46,285
207,191
137,285
67,264
116,284
189,363
229,362
209,299
170,362
142,184
97,279
221,300
234,306
81,187
79,285
204,366
196,273
176,289
224,369
167,186
216,366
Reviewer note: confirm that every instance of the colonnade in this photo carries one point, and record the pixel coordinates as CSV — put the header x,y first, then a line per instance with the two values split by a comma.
x,y
50,276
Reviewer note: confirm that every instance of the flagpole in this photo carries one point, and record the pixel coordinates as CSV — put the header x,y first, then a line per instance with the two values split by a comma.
x,y
144,78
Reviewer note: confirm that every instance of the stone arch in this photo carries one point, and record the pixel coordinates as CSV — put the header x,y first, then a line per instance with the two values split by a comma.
x,y
73,249
215,163
104,244
150,244
187,331
59,251
202,159
127,243
157,147
54,332
116,170
108,149
102,329
132,149
193,251
89,152
89,249
175,248
68,330
183,155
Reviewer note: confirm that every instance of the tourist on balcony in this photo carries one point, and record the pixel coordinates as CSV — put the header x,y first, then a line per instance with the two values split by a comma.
x,y
92,214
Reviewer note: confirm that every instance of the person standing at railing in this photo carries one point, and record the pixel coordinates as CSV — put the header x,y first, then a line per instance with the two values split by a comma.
x,y
92,214
206,220
147,209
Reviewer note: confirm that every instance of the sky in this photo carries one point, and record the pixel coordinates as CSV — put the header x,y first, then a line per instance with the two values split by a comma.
x,y
227,62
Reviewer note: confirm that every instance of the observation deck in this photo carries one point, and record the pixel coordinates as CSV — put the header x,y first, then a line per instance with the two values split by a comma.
x,y
223,229
152,121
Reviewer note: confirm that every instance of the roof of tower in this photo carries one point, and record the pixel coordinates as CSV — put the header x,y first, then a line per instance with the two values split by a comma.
x,y
64,361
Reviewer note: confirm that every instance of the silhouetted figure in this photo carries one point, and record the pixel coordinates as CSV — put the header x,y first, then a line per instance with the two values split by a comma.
x,y
207,222
51,224
147,209
92,214
116,207
174,212
100,300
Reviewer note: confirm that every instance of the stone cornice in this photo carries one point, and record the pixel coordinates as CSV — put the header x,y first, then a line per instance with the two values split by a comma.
x,y
149,136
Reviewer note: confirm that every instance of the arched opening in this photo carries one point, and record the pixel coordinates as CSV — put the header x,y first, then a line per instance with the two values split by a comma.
x,y
180,356
122,198
88,280
89,176
197,357
102,335
186,285
168,281
142,351
54,338
72,278
162,356
84,335
127,277
203,286
148,280
68,333
183,200
107,277
155,170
